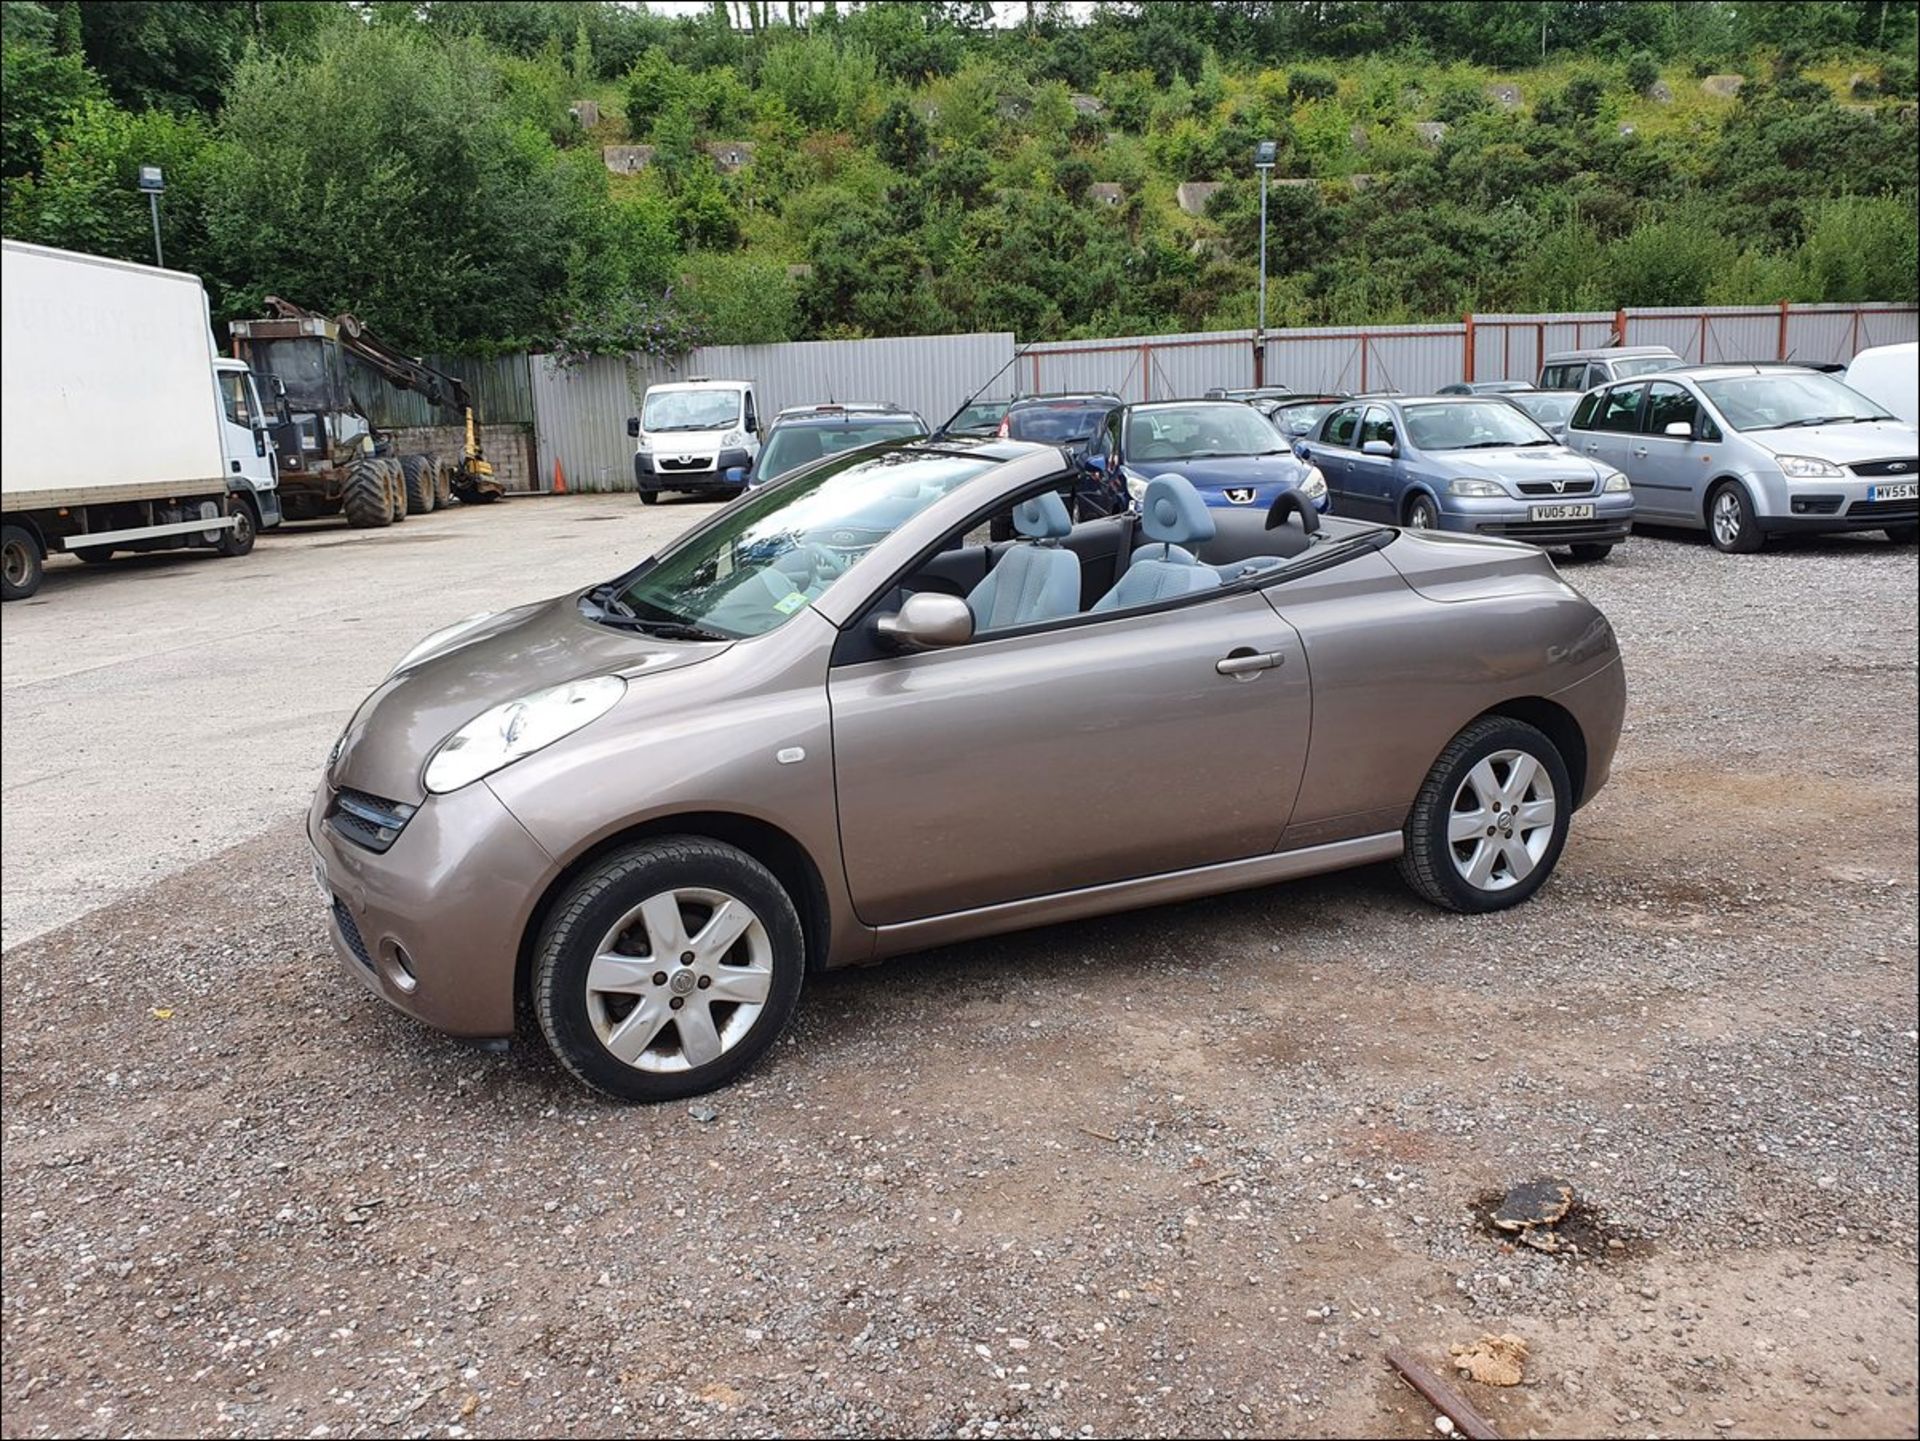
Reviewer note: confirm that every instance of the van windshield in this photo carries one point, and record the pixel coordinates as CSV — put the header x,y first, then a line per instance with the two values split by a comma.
x,y
765,558
691,410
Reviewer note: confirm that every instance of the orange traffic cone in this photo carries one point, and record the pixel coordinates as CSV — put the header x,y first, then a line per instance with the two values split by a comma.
x,y
559,478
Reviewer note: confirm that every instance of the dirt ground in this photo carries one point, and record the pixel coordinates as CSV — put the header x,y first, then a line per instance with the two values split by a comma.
x,y
1186,1171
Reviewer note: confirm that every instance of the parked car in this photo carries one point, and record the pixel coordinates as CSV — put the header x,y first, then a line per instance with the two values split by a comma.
x,y
1253,395
695,435
1230,453
802,434
1469,463
979,417
1484,387
1746,453
1889,375
1584,369
646,810
1067,420
1297,416
1548,409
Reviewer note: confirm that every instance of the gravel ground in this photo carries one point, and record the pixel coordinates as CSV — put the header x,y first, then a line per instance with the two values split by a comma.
x,y
1186,1171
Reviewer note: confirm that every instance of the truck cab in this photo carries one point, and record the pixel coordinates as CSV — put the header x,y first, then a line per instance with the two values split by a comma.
x,y
695,435
247,439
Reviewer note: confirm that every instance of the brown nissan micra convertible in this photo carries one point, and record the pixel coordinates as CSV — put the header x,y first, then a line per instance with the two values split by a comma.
x,y
836,721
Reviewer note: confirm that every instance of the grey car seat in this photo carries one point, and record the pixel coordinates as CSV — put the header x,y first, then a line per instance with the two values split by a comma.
x,y
1172,514
1036,580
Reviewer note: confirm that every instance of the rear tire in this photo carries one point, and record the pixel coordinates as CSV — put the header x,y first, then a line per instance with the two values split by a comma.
x,y
1731,523
237,539
1589,553
655,976
22,566
367,498
417,471
397,488
442,484
1491,818
649,497
1903,534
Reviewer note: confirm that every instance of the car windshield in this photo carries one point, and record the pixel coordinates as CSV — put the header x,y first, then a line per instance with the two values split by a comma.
x,y
1058,422
1645,365
1549,407
1193,432
1776,399
792,446
767,557
1299,419
691,410
1471,425
980,418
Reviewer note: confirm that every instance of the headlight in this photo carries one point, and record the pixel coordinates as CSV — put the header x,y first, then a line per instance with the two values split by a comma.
x,y
1806,467
519,728
1616,483
732,437
1314,485
1468,485
1136,486
644,445
440,639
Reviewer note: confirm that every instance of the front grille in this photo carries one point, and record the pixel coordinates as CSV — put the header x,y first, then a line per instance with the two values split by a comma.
x,y
1875,509
683,462
370,822
1909,466
350,933
1546,487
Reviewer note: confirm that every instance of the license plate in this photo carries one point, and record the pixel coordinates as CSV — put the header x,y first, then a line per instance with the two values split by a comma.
x,y
1582,511
1899,490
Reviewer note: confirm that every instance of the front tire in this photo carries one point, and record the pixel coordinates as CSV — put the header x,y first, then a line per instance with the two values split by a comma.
x,y
366,499
94,554
1903,534
668,969
417,473
649,497
22,567
1590,553
1731,522
1491,818
1422,514
237,539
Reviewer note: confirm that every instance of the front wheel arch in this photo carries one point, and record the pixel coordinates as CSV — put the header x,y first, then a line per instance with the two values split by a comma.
x,y
766,843
1557,723
1418,492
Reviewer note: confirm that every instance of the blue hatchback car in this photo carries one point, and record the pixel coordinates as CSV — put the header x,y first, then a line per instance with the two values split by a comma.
x,y
1230,453
1470,463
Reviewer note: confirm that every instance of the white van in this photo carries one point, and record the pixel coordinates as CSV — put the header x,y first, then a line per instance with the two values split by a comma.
x,y
695,435
1889,374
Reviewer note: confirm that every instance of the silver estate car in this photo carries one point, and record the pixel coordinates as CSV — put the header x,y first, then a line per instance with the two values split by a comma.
x,y
837,721
1747,451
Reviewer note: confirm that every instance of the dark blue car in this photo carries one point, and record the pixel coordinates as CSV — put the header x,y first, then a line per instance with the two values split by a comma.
x,y
1231,454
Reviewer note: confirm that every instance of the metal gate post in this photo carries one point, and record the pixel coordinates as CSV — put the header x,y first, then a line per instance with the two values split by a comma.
x,y
1783,332
1467,320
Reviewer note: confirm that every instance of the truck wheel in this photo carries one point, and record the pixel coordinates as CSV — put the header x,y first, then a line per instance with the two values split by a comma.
x,y
397,479
21,564
94,554
442,484
237,539
649,497
418,471
367,497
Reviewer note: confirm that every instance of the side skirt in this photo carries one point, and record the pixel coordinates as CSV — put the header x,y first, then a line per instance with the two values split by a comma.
x,y
1157,890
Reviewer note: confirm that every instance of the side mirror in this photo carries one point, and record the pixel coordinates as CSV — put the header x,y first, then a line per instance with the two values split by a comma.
x,y
927,621
1096,462
1377,447
736,475
1300,451
633,426
1680,430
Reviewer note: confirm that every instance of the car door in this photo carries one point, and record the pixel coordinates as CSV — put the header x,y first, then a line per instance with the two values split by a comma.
x,y
1376,478
1333,452
1668,472
1096,750
1613,426
244,431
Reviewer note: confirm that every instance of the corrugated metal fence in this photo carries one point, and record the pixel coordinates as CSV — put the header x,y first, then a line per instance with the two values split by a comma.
x,y
578,414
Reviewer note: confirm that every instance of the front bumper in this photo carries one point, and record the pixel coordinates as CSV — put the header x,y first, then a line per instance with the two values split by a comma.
x,y
707,472
1512,519
452,895
1813,518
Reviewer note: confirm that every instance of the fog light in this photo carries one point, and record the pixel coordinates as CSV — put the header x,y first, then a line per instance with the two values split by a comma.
x,y
400,968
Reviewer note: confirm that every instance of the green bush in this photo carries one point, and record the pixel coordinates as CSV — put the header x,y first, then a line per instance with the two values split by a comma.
x,y
1643,71
1311,85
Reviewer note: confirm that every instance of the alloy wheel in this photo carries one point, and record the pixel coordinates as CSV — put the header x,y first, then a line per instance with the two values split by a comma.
x,y
679,980
1501,821
1726,518
1420,516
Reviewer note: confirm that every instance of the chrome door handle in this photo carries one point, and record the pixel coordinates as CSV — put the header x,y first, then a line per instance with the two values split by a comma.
x,y
1641,451
1246,662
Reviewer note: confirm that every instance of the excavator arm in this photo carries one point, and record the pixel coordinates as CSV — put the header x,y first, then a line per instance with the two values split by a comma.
x,y
403,372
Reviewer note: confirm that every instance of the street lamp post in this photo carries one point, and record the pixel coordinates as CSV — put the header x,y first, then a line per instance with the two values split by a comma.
x,y
153,182
1263,154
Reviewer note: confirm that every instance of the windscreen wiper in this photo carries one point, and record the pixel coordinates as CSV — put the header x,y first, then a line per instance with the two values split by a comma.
x,y
1817,420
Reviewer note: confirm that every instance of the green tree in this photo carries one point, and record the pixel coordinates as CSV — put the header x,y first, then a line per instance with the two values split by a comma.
x,y
43,88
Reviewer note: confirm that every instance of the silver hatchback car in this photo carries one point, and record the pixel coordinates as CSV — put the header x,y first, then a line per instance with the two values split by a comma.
x,y
1746,452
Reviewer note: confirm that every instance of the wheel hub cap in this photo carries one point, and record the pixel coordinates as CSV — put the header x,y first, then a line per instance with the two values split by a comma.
x,y
1502,820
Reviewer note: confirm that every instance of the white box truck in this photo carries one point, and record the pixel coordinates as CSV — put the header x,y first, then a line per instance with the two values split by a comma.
x,y
122,429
